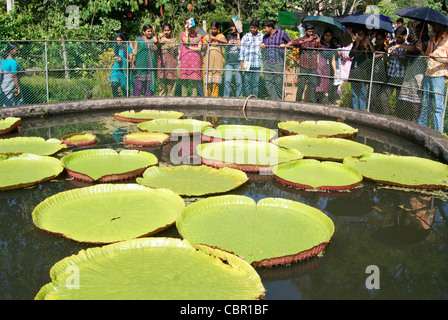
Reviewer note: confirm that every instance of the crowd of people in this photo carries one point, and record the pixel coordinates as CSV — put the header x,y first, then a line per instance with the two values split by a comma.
x,y
407,62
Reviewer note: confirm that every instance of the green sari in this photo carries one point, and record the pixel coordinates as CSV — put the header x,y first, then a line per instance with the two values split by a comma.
x,y
145,61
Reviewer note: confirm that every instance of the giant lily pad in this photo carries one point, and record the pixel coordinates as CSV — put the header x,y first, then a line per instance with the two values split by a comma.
x,y
404,171
193,180
152,268
335,149
271,232
24,170
147,115
251,156
313,174
108,213
106,164
175,126
238,132
34,145
149,139
9,124
79,139
318,129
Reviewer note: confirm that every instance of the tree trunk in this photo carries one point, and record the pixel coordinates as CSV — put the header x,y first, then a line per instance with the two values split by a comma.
x,y
64,57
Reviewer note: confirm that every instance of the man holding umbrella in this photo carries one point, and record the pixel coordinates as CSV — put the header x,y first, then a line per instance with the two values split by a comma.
x,y
308,46
434,80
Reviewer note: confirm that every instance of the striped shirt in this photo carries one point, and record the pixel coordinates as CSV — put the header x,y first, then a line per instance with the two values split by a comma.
x,y
250,49
274,54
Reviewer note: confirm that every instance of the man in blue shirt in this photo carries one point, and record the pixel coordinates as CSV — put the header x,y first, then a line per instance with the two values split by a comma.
x,y
11,91
274,41
250,58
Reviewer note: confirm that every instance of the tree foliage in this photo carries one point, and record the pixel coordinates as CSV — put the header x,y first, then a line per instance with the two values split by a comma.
x,y
101,19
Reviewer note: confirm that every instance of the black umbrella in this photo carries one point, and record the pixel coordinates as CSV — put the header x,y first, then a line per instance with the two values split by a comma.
x,y
423,14
369,21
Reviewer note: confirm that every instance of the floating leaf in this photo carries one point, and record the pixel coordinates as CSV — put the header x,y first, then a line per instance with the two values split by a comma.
x,y
245,155
9,124
108,213
313,174
79,139
318,129
24,170
150,139
193,180
33,145
238,132
270,232
403,171
147,115
335,149
106,164
175,126
152,268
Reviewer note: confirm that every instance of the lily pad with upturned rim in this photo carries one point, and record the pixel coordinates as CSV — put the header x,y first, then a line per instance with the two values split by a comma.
x,y
8,124
193,180
108,213
105,165
403,171
147,115
313,174
79,139
271,232
33,145
149,139
318,129
174,126
24,170
249,156
237,132
333,149
153,269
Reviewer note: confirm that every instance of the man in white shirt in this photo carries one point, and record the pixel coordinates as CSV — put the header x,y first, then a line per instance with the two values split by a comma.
x,y
250,58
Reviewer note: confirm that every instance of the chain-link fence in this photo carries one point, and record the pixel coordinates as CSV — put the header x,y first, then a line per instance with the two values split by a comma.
x,y
386,83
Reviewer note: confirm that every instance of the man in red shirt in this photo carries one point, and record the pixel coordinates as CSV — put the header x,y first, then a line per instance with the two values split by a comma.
x,y
308,45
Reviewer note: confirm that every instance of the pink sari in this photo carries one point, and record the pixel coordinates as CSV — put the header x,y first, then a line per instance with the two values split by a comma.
x,y
190,60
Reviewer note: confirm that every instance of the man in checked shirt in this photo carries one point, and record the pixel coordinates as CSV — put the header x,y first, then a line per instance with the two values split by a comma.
x,y
308,45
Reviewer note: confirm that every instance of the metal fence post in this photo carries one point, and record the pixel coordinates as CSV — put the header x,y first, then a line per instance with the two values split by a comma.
x,y
206,69
284,74
46,72
127,69
371,80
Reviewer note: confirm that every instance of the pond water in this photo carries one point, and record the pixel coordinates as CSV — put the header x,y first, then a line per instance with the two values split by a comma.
x,y
402,234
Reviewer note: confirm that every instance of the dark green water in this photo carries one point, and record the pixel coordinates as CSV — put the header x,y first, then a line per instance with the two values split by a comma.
x,y
403,234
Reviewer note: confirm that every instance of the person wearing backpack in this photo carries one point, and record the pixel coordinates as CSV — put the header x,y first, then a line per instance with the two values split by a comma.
x,y
12,95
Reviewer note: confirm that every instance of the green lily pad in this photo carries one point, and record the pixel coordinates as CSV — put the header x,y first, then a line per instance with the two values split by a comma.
x,y
175,126
79,139
313,174
150,139
107,165
24,170
147,115
271,232
318,129
33,145
251,156
193,180
152,269
403,171
9,124
333,149
108,213
237,132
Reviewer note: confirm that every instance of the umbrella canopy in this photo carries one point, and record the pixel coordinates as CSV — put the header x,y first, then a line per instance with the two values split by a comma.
x,y
369,21
323,23
423,14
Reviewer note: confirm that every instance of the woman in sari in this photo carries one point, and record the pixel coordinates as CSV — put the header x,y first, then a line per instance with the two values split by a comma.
x,y
167,61
190,60
144,57
214,59
118,75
